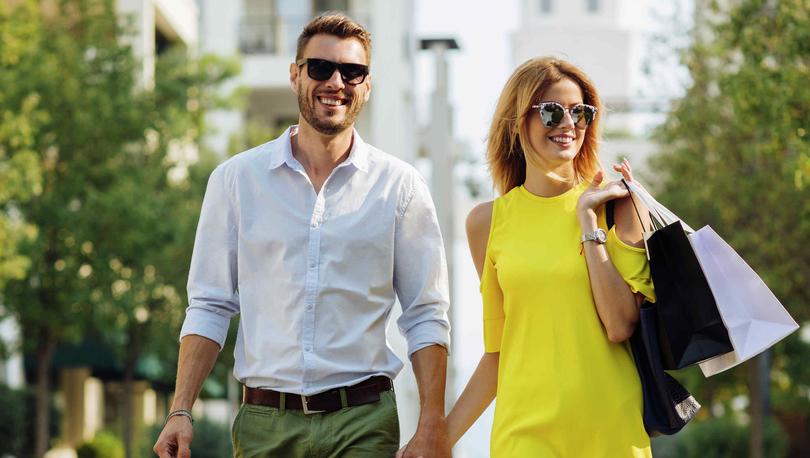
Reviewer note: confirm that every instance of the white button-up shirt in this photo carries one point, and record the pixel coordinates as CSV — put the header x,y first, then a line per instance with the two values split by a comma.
x,y
315,276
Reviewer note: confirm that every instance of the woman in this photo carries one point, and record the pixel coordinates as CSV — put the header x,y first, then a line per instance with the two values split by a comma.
x,y
560,294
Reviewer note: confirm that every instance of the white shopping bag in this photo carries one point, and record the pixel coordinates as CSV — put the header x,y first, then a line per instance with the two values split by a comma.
x,y
754,317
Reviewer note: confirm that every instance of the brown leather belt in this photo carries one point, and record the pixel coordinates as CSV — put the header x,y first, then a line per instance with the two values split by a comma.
x,y
365,392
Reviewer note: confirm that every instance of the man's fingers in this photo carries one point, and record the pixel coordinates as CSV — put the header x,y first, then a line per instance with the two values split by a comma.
x,y
163,449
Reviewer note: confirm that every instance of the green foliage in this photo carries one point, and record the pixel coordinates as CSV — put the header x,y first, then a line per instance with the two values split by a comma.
x,y
718,438
20,118
12,421
736,155
17,421
104,445
119,183
211,439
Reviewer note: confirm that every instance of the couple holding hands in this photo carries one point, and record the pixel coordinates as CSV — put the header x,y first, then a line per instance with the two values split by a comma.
x,y
312,238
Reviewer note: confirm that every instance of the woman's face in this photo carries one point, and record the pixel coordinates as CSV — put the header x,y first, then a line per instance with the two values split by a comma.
x,y
556,146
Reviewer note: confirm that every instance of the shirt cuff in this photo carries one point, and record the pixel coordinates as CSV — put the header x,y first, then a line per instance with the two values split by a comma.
x,y
428,333
206,323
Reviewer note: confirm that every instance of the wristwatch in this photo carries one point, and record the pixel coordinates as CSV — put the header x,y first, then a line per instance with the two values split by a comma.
x,y
598,236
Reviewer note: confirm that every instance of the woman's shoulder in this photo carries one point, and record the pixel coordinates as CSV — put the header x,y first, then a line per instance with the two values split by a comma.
x,y
479,220
480,217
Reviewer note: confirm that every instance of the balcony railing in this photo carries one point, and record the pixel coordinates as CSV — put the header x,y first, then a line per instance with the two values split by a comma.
x,y
274,33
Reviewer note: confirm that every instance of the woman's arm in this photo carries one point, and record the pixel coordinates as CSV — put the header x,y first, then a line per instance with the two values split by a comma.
x,y
616,304
480,389
476,397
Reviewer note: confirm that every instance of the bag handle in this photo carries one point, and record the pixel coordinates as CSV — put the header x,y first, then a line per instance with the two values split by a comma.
x,y
611,204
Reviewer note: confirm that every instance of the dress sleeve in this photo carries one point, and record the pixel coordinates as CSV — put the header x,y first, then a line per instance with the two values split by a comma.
x,y
492,295
632,264
493,307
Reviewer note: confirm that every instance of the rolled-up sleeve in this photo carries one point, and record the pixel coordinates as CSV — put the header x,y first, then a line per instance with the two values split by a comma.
x,y
420,271
212,282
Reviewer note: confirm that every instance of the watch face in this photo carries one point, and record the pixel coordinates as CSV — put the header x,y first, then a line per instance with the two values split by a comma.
x,y
601,236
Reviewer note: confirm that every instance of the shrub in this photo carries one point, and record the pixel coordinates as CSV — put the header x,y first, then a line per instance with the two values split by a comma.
x,y
104,445
718,438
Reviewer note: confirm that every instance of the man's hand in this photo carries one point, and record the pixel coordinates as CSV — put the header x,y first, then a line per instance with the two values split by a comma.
x,y
175,438
429,441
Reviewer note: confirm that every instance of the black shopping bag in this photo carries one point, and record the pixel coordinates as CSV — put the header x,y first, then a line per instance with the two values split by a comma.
x,y
668,406
690,327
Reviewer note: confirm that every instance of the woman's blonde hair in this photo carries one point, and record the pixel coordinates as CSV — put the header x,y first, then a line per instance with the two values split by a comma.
x,y
508,135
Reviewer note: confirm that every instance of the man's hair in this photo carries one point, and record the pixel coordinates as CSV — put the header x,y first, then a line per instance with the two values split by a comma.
x,y
337,24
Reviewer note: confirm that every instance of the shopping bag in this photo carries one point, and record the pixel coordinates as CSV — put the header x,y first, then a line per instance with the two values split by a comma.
x,y
668,406
754,317
690,328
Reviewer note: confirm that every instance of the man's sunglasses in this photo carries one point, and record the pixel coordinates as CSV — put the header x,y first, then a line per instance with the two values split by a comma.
x,y
552,114
322,70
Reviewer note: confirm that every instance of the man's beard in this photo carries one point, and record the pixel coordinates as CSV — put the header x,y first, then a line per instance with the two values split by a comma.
x,y
326,125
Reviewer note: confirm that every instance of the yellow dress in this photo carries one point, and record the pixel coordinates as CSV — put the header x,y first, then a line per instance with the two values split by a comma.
x,y
564,390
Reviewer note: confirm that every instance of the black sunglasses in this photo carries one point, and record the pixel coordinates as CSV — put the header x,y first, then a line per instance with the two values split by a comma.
x,y
322,70
552,114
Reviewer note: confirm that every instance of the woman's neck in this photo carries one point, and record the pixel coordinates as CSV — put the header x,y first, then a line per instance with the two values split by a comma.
x,y
549,183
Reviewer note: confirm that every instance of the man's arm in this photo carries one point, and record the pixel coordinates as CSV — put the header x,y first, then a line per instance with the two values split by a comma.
x,y
420,278
430,439
213,300
197,357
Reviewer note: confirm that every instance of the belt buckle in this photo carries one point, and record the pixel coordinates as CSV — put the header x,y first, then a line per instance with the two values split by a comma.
x,y
307,411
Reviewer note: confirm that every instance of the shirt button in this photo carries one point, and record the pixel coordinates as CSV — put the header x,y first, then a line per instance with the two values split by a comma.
x,y
308,349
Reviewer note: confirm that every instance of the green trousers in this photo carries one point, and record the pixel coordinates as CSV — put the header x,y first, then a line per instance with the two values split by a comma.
x,y
369,430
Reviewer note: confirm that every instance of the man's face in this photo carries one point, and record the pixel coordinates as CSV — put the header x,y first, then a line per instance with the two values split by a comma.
x,y
330,106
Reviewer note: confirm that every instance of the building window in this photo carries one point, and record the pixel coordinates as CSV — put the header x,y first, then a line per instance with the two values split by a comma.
x,y
546,6
592,5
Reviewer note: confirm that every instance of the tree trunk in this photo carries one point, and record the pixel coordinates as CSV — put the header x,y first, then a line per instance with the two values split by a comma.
x,y
129,383
130,360
45,350
758,380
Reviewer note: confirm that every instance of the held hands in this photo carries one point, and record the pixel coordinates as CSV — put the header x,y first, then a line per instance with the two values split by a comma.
x,y
429,441
175,438
596,194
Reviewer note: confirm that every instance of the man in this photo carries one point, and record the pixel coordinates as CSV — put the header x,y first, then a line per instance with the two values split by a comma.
x,y
311,237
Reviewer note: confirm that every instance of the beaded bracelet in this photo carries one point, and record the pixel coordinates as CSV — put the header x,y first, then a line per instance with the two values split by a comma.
x,y
179,412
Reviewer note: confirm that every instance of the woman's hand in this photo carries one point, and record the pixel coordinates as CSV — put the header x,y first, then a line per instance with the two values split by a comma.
x,y
596,194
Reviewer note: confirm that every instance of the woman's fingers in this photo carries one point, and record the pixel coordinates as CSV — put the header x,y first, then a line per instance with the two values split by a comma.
x,y
597,179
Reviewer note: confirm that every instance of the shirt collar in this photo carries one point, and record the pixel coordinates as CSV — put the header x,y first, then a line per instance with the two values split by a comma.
x,y
282,153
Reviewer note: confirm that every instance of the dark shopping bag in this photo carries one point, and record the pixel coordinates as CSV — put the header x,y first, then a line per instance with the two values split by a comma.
x,y
690,327
668,406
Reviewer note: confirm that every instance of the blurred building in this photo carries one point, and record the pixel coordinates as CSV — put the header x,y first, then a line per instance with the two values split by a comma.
x,y
607,39
263,34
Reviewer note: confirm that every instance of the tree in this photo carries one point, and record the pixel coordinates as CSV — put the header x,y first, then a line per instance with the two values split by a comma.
x,y
736,155
19,120
120,190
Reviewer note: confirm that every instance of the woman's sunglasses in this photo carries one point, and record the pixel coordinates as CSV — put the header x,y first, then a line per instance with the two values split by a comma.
x,y
552,114
322,70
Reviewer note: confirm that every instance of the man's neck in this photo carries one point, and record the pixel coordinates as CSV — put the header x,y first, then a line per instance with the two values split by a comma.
x,y
319,153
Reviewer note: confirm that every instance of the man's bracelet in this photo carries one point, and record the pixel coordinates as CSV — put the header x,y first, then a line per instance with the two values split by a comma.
x,y
179,412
